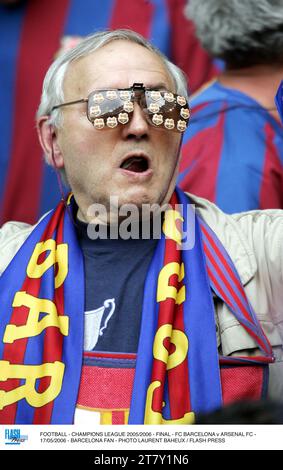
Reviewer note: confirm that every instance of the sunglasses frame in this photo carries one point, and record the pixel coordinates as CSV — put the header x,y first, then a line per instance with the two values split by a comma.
x,y
150,100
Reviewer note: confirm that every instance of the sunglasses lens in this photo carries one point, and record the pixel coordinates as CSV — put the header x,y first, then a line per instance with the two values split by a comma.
x,y
108,108
168,110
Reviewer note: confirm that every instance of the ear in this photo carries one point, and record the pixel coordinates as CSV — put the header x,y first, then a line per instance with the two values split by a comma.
x,y
48,139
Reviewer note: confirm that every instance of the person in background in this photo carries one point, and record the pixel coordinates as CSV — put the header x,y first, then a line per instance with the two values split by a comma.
x,y
246,411
32,34
233,149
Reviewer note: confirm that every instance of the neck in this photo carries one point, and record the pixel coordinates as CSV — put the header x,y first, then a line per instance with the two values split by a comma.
x,y
260,82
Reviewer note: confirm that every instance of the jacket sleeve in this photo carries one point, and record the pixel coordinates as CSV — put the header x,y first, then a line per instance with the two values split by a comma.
x,y
264,232
12,236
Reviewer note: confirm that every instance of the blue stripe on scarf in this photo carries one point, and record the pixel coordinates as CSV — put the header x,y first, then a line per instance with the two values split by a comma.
x,y
12,278
10,282
64,405
204,375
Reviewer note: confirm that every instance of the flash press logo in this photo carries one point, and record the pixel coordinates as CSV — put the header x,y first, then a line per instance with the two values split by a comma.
x,y
14,437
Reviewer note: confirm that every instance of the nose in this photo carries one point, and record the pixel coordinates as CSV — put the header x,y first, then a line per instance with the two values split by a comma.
x,y
138,127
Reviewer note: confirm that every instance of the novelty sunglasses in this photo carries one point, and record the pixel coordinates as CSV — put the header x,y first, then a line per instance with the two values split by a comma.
x,y
109,108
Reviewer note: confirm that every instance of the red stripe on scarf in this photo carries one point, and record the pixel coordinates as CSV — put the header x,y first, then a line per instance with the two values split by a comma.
x,y
222,293
40,40
172,314
15,352
53,344
228,285
221,275
178,378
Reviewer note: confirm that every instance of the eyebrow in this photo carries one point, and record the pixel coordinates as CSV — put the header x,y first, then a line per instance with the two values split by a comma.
x,y
158,86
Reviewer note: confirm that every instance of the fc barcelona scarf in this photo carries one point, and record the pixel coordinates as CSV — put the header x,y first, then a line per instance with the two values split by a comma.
x,y
177,371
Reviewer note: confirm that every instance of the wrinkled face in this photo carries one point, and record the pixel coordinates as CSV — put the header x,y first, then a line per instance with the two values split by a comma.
x,y
135,162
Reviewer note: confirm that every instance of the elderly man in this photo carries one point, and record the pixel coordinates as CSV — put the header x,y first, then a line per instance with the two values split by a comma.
x,y
22,23
100,326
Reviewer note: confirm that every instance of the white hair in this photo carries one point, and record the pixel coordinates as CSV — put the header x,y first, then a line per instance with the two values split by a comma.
x,y
53,94
242,32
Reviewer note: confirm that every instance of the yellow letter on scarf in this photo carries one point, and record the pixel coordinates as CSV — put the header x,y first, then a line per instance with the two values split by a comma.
x,y
55,370
34,326
164,290
178,338
170,227
154,417
58,254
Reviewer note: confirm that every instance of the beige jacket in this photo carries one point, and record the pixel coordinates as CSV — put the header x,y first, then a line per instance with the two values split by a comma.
x,y
254,241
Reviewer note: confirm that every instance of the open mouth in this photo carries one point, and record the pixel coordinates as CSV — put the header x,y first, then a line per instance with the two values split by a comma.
x,y
135,164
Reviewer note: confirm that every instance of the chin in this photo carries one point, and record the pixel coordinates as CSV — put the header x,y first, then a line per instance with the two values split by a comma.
x,y
140,198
